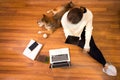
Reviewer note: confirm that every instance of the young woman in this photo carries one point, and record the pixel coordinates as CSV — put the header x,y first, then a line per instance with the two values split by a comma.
x,y
77,25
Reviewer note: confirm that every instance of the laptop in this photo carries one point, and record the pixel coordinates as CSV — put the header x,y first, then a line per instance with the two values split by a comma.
x,y
59,57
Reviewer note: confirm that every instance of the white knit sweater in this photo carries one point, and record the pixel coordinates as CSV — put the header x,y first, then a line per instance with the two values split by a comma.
x,y
76,29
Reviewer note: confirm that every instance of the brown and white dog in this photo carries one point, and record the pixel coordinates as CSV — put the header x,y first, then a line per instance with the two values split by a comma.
x,y
52,21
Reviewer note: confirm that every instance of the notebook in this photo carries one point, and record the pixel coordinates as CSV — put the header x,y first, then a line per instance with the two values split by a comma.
x,y
32,49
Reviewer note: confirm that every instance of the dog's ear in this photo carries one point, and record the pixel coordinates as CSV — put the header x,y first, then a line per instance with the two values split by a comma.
x,y
45,18
70,2
44,15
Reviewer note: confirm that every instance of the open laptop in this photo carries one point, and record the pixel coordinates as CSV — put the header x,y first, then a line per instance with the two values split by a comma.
x,y
59,57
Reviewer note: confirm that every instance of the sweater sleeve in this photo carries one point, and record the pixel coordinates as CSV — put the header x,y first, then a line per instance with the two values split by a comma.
x,y
65,26
88,32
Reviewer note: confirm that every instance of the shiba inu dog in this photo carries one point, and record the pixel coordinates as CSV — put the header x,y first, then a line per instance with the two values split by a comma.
x,y
51,20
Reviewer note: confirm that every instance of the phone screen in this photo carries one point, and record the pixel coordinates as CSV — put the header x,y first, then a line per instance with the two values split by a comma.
x,y
33,46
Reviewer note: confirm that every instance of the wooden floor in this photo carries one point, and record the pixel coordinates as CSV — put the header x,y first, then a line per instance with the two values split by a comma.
x,y
18,25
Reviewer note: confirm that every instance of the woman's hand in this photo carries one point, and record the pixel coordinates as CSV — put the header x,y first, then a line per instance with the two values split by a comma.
x,y
86,50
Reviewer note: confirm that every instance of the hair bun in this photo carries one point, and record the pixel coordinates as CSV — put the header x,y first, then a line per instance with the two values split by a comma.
x,y
83,9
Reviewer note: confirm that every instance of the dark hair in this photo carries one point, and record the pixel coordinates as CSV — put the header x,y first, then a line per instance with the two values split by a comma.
x,y
75,15
83,9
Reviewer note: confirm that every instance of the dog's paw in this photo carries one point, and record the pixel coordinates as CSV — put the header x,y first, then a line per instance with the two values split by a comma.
x,y
49,11
40,32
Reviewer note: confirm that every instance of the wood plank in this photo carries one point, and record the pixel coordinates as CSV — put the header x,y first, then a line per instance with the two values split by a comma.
x,y
18,24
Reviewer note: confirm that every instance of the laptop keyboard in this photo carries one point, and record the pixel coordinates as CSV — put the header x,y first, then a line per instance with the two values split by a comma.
x,y
60,57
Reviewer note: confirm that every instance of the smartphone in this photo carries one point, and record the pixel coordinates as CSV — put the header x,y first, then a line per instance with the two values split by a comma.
x,y
33,46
